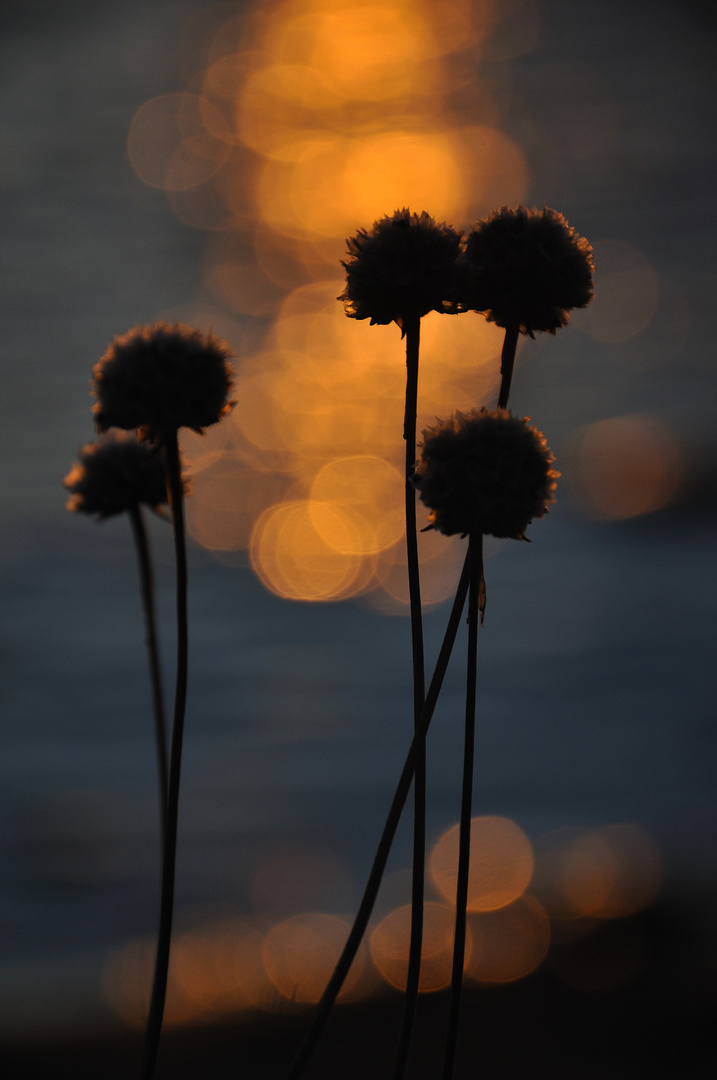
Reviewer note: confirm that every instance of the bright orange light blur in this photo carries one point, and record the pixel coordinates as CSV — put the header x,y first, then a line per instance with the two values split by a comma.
x,y
501,863
509,943
217,967
291,557
314,118
626,466
605,873
370,491
390,942
300,954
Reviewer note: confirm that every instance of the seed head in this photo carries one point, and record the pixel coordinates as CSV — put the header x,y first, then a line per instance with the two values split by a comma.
x,y
404,265
115,474
485,472
161,378
527,268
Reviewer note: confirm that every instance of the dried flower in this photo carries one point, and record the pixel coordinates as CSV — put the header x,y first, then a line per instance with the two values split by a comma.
x,y
528,268
115,474
404,265
485,472
160,378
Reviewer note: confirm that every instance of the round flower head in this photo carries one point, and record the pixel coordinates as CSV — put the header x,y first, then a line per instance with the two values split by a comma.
x,y
404,265
160,378
115,474
485,472
528,268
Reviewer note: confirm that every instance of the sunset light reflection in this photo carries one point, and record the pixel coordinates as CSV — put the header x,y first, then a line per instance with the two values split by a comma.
x,y
309,119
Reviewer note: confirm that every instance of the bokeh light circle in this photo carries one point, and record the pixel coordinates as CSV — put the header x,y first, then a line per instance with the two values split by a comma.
x,y
501,863
292,558
300,954
509,943
390,942
626,466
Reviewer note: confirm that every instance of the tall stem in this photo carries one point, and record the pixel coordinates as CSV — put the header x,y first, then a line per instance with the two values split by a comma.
x,y
412,328
394,815
155,674
507,360
475,555
159,987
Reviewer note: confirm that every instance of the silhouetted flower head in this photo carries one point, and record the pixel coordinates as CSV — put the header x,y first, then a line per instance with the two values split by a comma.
x,y
160,378
485,472
404,265
115,474
528,268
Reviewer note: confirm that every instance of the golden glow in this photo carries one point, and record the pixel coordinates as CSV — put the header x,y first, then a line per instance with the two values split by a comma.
x,y
300,954
626,466
501,863
605,873
291,557
509,943
369,491
216,967
390,942
311,119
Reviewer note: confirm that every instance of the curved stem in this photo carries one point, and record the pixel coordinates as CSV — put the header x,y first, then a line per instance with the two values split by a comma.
x,y
159,987
155,673
412,328
475,554
507,360
394,815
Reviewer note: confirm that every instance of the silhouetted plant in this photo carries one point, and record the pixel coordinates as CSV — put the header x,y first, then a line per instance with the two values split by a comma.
x,y
405,266
526,269
482,473
115,475
158,379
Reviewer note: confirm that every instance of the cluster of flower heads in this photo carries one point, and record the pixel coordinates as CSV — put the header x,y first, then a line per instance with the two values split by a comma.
x,y
156,379
485,471
150,382
520,267
115,474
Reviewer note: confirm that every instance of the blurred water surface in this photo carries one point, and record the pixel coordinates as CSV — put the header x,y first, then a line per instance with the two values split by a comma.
x,y
596,670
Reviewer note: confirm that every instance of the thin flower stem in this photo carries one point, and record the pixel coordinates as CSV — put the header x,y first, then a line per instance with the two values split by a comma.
x,y
159,987
507,360
160,725
475,556
412,327
384,847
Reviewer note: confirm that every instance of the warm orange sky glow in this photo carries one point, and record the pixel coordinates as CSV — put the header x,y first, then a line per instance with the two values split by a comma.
x,y
309,120
312,118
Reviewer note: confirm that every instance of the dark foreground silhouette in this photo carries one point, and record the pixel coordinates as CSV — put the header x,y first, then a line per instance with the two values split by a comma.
x,y
658,1023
